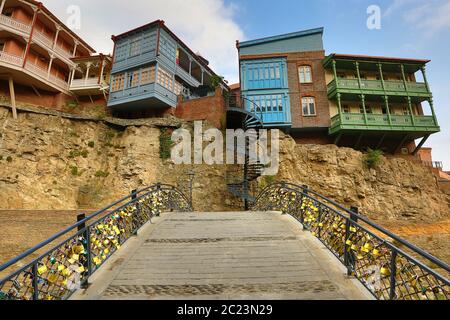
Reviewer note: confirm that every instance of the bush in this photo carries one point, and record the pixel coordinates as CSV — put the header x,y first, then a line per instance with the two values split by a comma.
x,y
84,153
91,144
1,158
74,170
9,159
373,158
101,174
165,145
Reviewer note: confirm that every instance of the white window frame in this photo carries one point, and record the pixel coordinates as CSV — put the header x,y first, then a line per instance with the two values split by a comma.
x,y
306,102
303,72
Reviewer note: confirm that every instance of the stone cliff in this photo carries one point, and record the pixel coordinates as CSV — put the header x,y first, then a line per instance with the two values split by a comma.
x,y
395,189
54,162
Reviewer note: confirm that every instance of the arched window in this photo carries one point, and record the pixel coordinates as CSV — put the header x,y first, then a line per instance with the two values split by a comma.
x,y
304,74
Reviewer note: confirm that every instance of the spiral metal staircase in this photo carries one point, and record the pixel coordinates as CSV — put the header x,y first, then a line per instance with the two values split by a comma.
x,y
242,181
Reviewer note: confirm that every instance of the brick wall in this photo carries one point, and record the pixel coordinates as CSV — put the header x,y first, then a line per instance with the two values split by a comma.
x,y
212,109
316,89
25,96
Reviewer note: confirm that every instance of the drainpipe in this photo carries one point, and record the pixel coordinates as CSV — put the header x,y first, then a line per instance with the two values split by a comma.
x,y
30,38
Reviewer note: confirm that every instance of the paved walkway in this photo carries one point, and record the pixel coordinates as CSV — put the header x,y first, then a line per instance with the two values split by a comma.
x,y
223,256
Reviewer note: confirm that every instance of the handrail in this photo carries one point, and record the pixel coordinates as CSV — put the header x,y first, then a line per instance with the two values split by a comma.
x,y
123,221
75,225
320,214
407,244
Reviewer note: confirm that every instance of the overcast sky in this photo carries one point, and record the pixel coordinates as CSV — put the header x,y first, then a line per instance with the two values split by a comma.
x,y
410,28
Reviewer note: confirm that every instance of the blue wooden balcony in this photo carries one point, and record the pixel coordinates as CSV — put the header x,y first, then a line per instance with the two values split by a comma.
x,y
150,95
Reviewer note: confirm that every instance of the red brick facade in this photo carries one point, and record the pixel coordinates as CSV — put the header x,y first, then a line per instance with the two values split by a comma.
x,y
317,89
211,109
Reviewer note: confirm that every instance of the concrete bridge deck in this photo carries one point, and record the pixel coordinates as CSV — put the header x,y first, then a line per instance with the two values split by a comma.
x,y
223,256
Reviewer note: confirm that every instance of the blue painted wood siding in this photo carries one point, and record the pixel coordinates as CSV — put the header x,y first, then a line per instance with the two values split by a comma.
x,y
272,106
264,74
137,51
265,88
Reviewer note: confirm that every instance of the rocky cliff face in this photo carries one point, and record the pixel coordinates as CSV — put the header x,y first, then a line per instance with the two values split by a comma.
x,y
50,162
396,189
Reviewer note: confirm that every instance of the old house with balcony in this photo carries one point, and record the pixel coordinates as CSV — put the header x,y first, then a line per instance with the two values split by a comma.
x,y
379,102
91,76
153,70
37,52
283,81
349,100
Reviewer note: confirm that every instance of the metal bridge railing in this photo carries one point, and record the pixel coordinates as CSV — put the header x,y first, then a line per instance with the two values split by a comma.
x,y
375,256
82,248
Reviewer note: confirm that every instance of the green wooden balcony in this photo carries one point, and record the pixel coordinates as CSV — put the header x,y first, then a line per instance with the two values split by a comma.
x,y
383,122
375,87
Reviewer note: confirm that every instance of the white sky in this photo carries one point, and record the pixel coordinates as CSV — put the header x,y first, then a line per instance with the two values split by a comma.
x,y
207,26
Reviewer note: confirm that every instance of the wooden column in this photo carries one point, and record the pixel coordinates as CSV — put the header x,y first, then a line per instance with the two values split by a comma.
x,y
2,6
102,67
49,67
425,78
335,73
363,103
72,76
13,97
58,29
75,48
413,121
358,74
339,106
386,103
88,68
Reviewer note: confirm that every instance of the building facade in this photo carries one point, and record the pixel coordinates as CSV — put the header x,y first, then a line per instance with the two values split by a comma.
x,y
348,100
36,48
378,102
283,80
92,75
152,67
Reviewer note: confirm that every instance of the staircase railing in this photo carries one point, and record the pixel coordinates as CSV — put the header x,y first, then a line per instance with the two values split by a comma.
x,y
389,267
74,254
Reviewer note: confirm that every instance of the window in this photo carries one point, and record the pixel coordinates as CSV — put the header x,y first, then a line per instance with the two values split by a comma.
x,y
309,106
135,48
369,110
148,75
118,81
178,88
346,108
133,79
304,73
2,45
383,110
165,79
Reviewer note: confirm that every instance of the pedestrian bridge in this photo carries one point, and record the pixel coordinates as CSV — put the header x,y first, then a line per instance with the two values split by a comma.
x,y
232,255
295,244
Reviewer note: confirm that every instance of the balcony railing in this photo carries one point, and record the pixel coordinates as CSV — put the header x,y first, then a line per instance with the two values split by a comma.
x,y
10,58
43,73
15,24
434,164
390,87
63,52
46,41
83,83
383,121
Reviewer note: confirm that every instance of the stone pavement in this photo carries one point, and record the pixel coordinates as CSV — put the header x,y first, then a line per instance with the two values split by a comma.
x,y
237,255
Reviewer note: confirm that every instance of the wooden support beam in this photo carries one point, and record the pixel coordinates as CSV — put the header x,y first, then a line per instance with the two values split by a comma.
x,y
420,145
338,138
358,142
383,137
13,97
35,90
400,145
